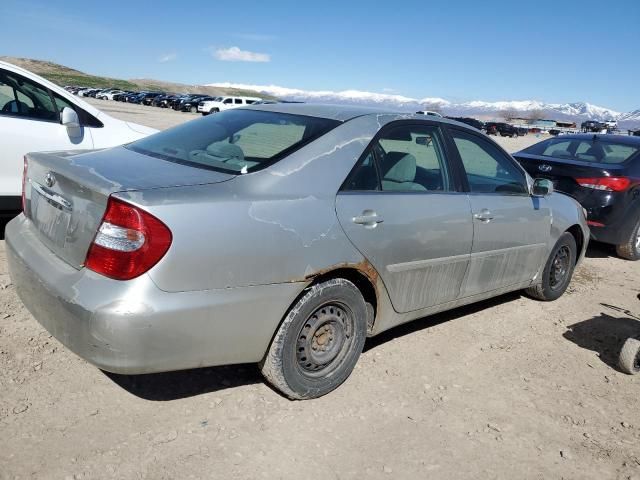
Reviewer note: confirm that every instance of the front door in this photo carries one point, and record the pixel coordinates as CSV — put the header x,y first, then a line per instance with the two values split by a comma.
x,y
510,227
30,122
400,209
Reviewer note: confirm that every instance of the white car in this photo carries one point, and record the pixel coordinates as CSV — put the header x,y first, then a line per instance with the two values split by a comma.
x,y
108,95
220,104
37,115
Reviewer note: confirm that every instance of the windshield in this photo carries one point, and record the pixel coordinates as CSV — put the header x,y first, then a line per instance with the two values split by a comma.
x,y
584,149
235,141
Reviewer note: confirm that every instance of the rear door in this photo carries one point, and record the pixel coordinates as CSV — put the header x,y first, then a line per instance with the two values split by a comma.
x,y
400,207
30,122
510,228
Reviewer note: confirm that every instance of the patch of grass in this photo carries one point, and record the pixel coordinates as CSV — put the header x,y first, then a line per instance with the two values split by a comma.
x,y
63,79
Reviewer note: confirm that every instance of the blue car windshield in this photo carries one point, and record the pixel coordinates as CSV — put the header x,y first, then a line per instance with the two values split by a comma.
x,y
236,141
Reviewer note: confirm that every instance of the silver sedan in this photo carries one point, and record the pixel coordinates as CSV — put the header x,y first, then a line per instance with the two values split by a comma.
x,y
280,234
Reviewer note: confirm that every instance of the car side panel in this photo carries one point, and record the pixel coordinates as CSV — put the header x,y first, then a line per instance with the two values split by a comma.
x,y
273,226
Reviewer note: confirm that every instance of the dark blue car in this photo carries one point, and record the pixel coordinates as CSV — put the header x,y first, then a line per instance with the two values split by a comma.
x,y
602,172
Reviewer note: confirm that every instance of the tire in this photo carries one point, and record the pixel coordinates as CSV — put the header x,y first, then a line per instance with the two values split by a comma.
x,y
193,110
629,361
319,341
558,270
630,250
204,114
515,135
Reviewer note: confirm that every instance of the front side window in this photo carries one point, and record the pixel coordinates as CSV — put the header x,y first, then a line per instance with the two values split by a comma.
x,y
236,140
488,170
406,158
238,101
22,97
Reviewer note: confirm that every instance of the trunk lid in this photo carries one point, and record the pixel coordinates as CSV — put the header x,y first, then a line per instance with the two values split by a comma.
x,y
563,173
66,193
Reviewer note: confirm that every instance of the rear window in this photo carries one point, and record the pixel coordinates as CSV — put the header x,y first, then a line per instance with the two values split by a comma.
x,y
585,150
235,141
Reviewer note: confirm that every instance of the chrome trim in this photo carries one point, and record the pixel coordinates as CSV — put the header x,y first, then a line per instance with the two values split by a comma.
x,y
51,197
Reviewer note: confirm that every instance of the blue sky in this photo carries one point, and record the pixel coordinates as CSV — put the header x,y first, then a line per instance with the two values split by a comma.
x,y
553,51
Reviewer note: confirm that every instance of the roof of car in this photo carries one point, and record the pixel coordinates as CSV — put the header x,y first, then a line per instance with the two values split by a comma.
x,y
622,139
343,113
334,112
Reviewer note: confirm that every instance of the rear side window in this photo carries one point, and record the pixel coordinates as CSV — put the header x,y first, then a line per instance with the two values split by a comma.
x,y
405,158
238,101
235,141
585,150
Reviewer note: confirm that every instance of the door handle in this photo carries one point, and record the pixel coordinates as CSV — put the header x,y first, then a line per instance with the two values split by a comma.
x,y
485,215
368,218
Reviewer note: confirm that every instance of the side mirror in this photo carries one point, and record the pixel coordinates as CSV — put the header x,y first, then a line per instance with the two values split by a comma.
x,y
542,187
70,118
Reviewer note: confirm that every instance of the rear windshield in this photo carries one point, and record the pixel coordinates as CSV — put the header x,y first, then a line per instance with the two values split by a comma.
x,y
235,141
585,150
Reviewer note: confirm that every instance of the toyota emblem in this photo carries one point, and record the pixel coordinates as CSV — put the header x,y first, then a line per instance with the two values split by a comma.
x,y
544,167
49,180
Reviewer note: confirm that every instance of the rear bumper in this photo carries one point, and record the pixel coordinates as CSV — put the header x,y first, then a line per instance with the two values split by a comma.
x,y
134,327
618,217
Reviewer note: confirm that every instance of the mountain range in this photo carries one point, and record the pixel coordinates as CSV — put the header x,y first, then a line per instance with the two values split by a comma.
x,y
576,111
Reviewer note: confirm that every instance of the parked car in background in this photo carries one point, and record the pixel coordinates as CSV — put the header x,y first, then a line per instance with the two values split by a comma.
x,y
191,104
37,115
131,97
108,95
472,122
593,126
118,97
502,129
161,269
148,97
602,172
220,104
429,112
163,101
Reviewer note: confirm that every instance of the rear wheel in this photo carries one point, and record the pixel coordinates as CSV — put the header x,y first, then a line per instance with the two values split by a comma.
x,y
630,356
631,248
193,109
319,341
558,270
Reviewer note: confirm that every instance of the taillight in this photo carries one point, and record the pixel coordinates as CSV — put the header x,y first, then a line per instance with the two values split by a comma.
x,y
24,185
610,184
129,242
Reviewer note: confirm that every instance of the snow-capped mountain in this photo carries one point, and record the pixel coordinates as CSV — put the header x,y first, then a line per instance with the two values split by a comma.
x,y
578,111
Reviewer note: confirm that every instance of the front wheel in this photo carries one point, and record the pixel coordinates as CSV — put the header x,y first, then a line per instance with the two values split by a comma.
x,y
558,270
630,250
630,356
193,110
319,341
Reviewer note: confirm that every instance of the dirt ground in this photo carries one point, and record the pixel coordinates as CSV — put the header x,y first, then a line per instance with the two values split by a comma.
x,y
509,388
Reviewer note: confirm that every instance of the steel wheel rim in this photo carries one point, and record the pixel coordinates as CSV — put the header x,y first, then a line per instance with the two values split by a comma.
x,y
559,267
325,339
